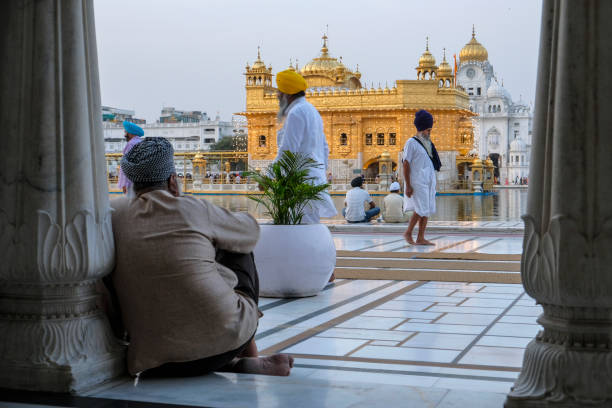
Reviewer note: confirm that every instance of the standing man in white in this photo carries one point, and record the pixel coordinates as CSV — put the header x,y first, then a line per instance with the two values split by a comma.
x,y
302,131
420,159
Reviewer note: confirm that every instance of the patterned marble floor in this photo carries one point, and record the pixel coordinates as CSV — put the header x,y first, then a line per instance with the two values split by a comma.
x,y
368,343
373,343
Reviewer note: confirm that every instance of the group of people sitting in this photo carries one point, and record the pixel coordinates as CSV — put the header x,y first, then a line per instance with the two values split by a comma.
x,y
357,198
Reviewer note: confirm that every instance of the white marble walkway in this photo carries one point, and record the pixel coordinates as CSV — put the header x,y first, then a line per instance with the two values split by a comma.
x,y
373,343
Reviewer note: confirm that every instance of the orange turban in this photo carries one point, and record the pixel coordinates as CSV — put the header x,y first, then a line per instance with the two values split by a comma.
x,y
290,82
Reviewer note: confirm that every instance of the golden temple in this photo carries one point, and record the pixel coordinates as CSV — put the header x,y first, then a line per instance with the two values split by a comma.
x,y
363,123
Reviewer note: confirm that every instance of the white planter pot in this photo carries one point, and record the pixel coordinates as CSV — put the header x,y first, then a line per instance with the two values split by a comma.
x,y
294,260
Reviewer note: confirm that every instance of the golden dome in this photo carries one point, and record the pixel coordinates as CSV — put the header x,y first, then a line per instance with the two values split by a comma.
x,y
259,64
385,155
489,162
473,50
427,60
477,162
324,63
198,157
445,70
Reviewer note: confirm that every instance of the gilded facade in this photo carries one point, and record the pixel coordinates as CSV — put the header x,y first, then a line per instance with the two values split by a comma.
x,y
363,123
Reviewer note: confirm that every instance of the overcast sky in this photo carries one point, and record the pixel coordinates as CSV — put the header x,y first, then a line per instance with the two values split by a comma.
x,y
191,54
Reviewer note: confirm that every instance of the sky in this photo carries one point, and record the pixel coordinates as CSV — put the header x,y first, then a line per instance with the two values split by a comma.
x,y
191,54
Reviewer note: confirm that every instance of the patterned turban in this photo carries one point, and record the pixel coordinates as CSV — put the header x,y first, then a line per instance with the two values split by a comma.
x,y
151,160
133,128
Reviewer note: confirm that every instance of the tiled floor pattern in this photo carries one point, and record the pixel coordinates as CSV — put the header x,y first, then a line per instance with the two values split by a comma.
x,y
368,343
434,332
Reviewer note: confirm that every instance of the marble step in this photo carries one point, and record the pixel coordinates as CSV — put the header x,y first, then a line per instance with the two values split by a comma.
x,y
475,256
423,274
403,263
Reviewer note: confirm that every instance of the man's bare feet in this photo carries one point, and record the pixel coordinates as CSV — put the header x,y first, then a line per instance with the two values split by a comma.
x,y
424,242
408,238
277,364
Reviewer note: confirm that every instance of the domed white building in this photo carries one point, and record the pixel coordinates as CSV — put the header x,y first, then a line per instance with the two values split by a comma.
x,y
518,165
500,120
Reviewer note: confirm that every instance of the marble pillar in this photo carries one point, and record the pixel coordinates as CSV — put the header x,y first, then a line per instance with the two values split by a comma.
x,y
55,226
567,249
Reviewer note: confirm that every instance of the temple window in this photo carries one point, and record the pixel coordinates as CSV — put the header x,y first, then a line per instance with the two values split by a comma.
x,y
380,139
343,139
262,141
478,91
392,138
368,139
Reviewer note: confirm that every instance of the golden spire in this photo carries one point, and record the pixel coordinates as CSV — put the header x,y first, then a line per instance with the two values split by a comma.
x,y
427,60
444,70
324,49
259,63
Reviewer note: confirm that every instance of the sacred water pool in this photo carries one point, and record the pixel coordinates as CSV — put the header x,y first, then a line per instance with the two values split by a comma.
x,y
503,205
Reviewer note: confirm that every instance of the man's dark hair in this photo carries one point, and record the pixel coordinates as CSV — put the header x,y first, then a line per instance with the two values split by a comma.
x,y
301,93
357,182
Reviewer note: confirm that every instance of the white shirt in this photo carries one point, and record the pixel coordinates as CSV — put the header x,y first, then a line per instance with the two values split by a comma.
x,y
393,208
422,180
303,132
355,200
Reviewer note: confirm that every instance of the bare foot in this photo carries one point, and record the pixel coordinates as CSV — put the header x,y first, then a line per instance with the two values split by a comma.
x,y
408,238
424,242
332,277
278,364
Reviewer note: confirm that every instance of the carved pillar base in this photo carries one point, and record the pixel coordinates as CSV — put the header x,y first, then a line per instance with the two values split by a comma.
x,y
75,354
569,364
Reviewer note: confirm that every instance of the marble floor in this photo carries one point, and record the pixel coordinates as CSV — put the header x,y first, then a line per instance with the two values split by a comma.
x,y
373,343
503,244
370,343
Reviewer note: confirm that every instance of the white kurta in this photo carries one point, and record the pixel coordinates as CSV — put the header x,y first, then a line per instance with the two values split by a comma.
x,y
303,132
422,180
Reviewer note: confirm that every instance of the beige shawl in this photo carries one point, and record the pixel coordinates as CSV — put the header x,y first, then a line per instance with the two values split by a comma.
x,y
177,303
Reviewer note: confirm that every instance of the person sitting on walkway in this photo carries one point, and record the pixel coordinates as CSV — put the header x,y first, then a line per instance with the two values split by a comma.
x,y
185,276
356,197
393,206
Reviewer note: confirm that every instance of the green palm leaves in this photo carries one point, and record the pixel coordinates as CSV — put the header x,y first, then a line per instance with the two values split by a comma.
x,y
287,187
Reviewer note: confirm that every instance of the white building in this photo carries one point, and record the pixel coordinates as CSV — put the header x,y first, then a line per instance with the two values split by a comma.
x,y
500,120
185,137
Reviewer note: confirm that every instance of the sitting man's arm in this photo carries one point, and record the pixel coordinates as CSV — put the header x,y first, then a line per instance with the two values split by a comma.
x,y
232,231
370,201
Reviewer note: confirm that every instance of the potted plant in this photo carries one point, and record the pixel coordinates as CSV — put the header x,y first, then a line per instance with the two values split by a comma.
x,y
292,259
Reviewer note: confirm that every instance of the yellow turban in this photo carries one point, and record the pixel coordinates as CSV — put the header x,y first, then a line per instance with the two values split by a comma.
x,y
290,82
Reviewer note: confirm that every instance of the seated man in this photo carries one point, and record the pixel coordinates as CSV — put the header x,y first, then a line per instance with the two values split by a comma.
x,y
356,197
393,206
185,276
